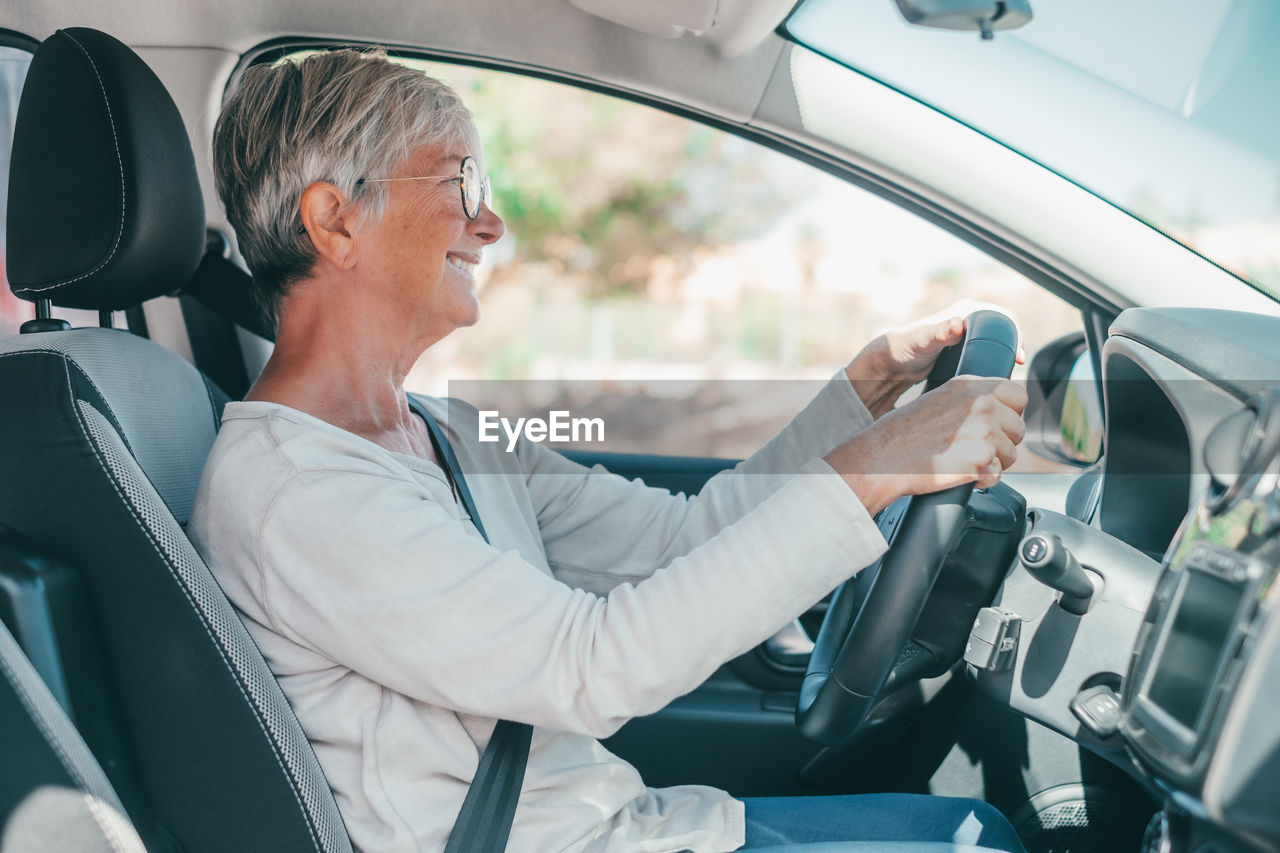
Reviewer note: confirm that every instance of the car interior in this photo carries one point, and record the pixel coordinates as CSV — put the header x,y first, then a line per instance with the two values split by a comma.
x,y
1097,656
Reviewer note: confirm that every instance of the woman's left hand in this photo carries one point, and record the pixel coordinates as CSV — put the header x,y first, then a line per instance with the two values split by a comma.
x,y
898,359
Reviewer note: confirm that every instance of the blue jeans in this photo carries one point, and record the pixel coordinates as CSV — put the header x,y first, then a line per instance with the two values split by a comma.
x,y
877,823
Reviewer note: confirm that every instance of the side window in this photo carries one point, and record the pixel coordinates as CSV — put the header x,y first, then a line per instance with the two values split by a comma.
x,y
693,271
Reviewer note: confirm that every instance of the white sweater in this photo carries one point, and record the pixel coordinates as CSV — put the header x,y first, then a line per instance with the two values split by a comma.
x,y
400,636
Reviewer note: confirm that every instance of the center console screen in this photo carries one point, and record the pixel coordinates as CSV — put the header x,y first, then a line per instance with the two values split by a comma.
x,y
1194,646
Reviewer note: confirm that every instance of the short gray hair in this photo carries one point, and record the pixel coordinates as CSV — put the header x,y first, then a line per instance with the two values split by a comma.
x,y
337,116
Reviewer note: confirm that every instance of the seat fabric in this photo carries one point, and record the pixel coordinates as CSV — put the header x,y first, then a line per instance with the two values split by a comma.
x,y
102,458
54,796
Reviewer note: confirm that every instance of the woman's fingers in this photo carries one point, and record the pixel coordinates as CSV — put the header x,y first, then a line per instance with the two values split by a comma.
x,y
1011,424
967,431
944,334
963,308
1008,392
1011,394
1006,452
995,425
989,475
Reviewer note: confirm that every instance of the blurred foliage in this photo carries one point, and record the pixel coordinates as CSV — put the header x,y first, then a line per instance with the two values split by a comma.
x,y
580,196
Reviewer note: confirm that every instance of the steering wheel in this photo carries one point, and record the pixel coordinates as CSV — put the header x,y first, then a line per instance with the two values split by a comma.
x,y
856,657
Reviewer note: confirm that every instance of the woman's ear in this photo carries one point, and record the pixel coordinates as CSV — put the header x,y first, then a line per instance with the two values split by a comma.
x,y
327,220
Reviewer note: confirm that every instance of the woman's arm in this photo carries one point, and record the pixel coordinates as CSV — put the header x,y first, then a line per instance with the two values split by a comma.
x,y
373,573
599,529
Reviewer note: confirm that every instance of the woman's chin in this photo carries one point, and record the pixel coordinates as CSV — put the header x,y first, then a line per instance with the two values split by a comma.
x,y
468,313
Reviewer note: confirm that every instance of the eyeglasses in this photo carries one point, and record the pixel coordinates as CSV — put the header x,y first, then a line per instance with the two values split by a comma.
x,y
472,182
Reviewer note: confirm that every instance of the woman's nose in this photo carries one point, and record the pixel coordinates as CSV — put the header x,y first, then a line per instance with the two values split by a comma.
x,y
488,226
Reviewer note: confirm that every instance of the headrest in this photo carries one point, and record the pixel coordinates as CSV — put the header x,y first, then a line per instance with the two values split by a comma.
x,y
105,208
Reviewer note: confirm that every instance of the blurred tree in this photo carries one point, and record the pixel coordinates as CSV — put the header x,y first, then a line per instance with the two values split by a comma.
x,y
578,195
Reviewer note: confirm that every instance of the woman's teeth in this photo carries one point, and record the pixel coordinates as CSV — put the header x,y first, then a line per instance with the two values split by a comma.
x,y
466,266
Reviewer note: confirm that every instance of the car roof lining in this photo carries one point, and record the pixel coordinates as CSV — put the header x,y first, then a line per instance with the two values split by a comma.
x,y
547,33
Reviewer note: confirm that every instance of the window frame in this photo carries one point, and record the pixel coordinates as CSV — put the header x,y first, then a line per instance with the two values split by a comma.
x,y
21,41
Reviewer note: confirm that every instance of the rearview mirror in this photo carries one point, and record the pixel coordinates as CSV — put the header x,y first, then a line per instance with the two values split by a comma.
x,y
979,16
1064,408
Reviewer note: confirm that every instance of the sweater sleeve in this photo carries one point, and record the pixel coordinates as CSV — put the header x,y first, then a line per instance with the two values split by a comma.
x,y
600,530
368,570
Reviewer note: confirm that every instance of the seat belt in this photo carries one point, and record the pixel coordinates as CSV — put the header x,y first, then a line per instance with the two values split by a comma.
x,y
484,821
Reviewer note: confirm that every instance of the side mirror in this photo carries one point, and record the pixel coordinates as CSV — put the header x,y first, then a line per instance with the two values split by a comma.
x,y
1064,407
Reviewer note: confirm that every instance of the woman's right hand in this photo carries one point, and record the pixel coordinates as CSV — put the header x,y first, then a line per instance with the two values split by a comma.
x,y
965,431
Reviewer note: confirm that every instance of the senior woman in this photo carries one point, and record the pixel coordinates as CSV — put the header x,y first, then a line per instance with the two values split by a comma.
x,y
400,636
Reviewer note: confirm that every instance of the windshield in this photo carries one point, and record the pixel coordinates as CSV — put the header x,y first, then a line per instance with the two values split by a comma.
x,y
1167,109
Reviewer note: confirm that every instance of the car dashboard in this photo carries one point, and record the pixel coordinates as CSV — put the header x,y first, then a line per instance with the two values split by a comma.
x,y
1173,669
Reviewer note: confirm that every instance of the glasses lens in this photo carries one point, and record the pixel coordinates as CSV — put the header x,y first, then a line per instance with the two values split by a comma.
x,y
472,187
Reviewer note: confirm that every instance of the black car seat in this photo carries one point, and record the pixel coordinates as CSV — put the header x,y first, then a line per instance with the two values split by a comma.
x,y
103,435
54,797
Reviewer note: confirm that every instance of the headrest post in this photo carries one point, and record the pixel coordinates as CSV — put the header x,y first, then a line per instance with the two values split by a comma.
x,y
105,319
44,322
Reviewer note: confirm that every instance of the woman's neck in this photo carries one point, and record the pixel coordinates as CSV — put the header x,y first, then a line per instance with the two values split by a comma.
x,y
346,367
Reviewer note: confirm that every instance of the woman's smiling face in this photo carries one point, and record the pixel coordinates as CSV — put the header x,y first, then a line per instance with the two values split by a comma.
x,y
424,247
